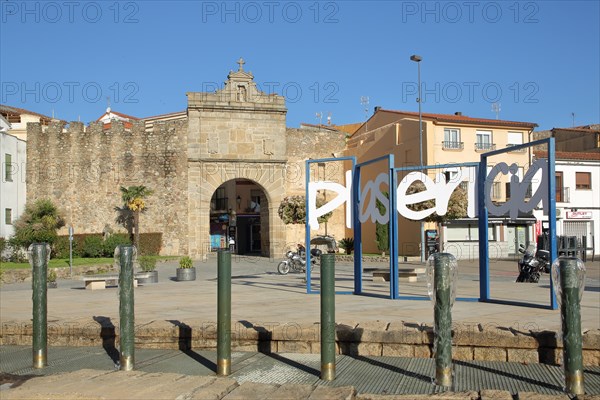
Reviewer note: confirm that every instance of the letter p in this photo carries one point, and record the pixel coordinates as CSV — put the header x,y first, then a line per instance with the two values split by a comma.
x,y
209,8
9,8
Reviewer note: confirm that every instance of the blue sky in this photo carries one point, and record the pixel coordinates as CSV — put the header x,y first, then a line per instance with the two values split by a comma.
x,y
539,59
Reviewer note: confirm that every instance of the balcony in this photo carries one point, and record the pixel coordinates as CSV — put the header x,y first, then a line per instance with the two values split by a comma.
x,y
483,146
452,145
523,150
563,195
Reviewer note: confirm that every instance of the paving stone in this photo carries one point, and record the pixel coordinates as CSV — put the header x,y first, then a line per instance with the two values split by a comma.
x,y
372,331
490,394
528,356
463,353
489,354
398,350
292,391
251,390
217,389
330,393
538,396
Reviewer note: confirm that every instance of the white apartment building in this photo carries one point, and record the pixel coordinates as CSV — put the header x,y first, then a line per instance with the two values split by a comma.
x,y
12,185
577,196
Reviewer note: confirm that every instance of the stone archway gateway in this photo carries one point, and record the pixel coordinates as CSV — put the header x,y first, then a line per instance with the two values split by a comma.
x,y
239,211
236,136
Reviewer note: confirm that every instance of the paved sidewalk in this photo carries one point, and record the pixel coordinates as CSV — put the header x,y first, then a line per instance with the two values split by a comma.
x,y
262,296
90,373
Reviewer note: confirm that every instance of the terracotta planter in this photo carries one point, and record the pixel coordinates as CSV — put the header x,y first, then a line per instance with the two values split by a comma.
x,y
186,274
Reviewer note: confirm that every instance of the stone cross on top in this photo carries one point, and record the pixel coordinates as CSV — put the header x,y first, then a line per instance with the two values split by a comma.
x,y
241,63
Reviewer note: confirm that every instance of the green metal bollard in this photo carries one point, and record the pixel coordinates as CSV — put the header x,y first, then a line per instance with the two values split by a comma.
x,y
444,266
570,280
224,313
38,258
126,309
328,317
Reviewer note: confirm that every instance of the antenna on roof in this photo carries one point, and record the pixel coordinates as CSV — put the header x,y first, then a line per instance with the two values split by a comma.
x,y
319,116
108,104
364,101
329,118
496,109
573,117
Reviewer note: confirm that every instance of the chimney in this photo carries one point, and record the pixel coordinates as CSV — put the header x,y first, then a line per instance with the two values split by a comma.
x,y
377,108
459,113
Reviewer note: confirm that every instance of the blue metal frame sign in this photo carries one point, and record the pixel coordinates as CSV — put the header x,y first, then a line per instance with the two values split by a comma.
x,y
482,203
307,222
484,187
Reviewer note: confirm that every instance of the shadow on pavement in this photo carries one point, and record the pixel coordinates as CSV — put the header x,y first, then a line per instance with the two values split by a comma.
x,y
185,345
108,335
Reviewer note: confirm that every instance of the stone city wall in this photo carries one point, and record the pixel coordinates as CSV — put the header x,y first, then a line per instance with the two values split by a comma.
x,y
82,168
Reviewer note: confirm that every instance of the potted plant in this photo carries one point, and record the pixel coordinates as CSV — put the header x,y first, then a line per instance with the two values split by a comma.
x,y
149,273
186,270
51,279
347,244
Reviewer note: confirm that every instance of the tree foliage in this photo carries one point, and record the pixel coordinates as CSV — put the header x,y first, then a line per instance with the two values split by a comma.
x,y
382,230
292,210
134,200
457,205
39,223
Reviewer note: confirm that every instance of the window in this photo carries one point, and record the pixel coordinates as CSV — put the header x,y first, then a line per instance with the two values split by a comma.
x,y
452,139
559,187
583,180
468,233
8,216
220,201
484,140
8,168
496,191
515,139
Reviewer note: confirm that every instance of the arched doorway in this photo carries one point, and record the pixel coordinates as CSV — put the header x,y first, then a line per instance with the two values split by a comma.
x,y
239,215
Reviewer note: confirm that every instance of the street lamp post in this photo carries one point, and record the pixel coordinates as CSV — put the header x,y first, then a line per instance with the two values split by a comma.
x,y
418,60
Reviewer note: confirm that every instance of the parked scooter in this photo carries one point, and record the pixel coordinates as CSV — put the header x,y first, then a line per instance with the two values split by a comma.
x,y
296,260
533,264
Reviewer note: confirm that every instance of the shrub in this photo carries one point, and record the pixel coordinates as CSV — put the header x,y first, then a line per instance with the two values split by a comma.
x,y
93,247
185,262
292,210
150,244
147,263
60,248
347,244
38,223
111,243
51,276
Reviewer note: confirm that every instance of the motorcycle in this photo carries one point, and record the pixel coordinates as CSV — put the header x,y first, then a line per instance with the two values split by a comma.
x,y
296,260
532,264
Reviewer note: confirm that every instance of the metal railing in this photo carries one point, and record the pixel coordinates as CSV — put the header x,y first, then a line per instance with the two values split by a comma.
x,y
447,145
522,150
482,146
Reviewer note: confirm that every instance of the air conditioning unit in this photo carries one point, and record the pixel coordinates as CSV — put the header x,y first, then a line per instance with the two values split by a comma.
x,y
559,213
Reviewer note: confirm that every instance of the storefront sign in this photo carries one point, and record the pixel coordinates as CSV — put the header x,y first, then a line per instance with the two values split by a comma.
x,y
579,215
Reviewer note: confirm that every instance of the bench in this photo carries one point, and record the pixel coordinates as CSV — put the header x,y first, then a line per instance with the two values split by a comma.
x,y
96,282
405,274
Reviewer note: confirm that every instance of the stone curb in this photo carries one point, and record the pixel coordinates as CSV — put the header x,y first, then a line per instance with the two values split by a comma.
x,y
404,339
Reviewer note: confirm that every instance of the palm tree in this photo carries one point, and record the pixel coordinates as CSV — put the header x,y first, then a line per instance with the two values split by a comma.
x,y
133,197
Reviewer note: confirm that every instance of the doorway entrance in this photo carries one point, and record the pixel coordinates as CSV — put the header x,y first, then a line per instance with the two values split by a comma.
x,y
238,217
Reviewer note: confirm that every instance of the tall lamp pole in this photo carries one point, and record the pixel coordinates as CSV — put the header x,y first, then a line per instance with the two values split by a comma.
x,y
418,60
